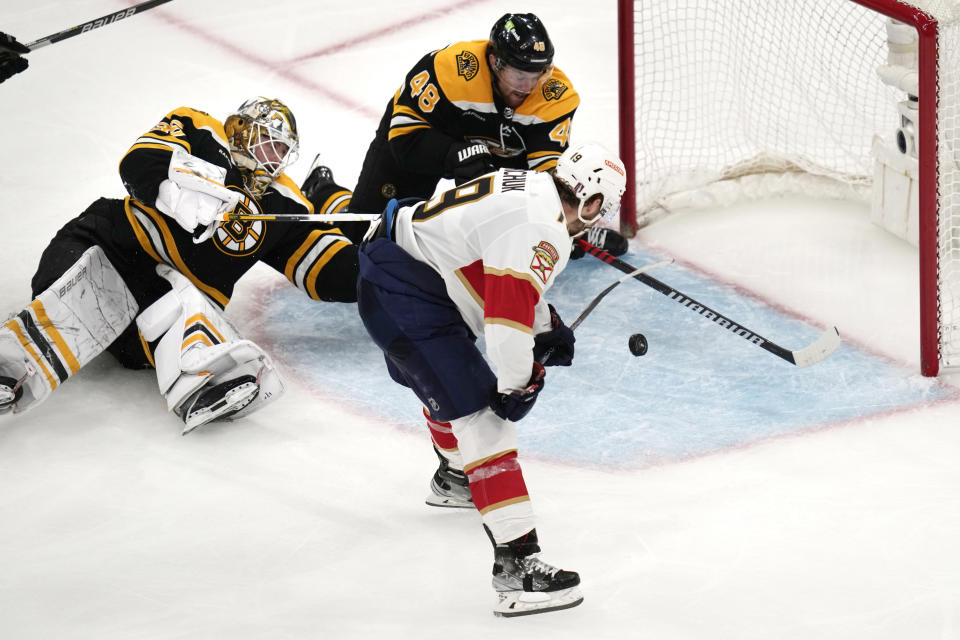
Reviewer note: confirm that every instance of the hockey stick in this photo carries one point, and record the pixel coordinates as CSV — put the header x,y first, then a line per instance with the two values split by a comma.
x,y
822,347
102,21
632,274
305,217
593,303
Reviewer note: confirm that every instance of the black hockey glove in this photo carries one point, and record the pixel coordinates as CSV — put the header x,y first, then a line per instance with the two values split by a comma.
x,y
466,161
513,406
11,62
556,344
319,178
607,239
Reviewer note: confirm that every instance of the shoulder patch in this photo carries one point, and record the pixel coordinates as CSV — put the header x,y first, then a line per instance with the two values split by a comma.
x,y
462,75
468,65
553,89
545,257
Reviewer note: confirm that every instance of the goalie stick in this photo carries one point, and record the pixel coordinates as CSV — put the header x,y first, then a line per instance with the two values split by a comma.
x,y
305,217
90,25
822,347
600,296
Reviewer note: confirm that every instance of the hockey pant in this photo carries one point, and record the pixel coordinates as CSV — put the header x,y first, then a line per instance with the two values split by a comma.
x,y
199,348
65,327
429,348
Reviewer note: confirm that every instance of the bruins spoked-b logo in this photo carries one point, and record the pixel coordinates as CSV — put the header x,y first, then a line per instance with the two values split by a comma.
x,y
553,89
241,237
467,64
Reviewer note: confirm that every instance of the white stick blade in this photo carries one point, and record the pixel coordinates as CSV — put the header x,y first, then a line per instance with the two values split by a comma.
x,y
826,344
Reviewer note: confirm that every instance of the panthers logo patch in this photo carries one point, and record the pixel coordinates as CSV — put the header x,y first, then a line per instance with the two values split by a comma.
x,y
241,237
553,89
468,65
545,257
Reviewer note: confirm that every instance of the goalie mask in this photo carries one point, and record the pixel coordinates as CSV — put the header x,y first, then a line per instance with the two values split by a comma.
x,y
590,169
263,141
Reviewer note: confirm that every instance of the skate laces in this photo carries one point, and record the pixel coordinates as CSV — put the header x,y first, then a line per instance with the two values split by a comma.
x,y
533,564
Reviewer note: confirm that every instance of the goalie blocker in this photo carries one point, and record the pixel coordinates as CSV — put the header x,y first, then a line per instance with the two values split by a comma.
x,y
205,369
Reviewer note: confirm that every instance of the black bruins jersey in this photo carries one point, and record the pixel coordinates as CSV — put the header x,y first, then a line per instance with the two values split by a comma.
x,y
448,97
315,257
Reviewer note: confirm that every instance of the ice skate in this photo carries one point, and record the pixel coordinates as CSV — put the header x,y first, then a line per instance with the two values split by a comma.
x,y
219,401
449,487
526,585
10,391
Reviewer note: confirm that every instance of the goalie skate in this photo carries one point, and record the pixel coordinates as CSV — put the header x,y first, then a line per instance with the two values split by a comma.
x,y
10,391
220,401
526,585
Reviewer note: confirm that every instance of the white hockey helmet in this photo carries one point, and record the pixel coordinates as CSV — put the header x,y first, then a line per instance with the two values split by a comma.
x,y
589,168
263,140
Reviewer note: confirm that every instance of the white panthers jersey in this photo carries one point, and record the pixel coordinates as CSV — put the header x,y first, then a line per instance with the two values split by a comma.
x,y
498,242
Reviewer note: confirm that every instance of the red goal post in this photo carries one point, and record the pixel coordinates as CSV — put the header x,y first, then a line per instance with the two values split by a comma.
x,y
716,97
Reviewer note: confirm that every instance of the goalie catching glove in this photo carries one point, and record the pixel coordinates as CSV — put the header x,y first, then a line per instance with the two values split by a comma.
x,y
554,348
515,405
194,194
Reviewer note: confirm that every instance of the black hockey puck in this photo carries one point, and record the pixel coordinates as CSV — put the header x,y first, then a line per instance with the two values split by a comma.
x,y
637,344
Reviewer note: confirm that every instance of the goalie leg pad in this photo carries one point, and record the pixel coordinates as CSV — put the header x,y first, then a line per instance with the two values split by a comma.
x,y
205,369
65,327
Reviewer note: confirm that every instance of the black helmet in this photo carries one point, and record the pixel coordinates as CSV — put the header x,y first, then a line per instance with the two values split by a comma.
x,y
521,41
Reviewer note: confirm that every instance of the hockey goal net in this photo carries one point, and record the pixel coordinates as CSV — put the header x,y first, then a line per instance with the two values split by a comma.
x,y
727,99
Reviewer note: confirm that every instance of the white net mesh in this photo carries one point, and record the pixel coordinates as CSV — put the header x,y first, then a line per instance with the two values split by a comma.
x,y
948,197
728,91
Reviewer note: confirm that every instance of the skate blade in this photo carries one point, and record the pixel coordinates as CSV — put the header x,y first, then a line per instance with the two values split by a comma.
x,y
448,502
234,400
7,397
511,604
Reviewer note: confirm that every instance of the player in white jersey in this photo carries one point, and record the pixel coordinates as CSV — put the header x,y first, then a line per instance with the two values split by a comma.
x,y
475,260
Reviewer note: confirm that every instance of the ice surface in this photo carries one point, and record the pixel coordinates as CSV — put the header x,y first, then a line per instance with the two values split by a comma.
x,y
705,490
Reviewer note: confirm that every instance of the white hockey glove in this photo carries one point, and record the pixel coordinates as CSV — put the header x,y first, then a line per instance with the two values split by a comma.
x,y
194,194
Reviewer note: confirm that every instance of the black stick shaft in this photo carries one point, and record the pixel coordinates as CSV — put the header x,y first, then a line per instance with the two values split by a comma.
x,y
96,23
688,302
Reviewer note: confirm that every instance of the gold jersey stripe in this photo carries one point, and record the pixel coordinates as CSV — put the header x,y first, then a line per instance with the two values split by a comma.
x,y
400,109
201,120
540,154
151,145
402,131
477,463
291,266
141,234
171,246
328,204
314,273
466,285
504,503
490,271
294,191
513,324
